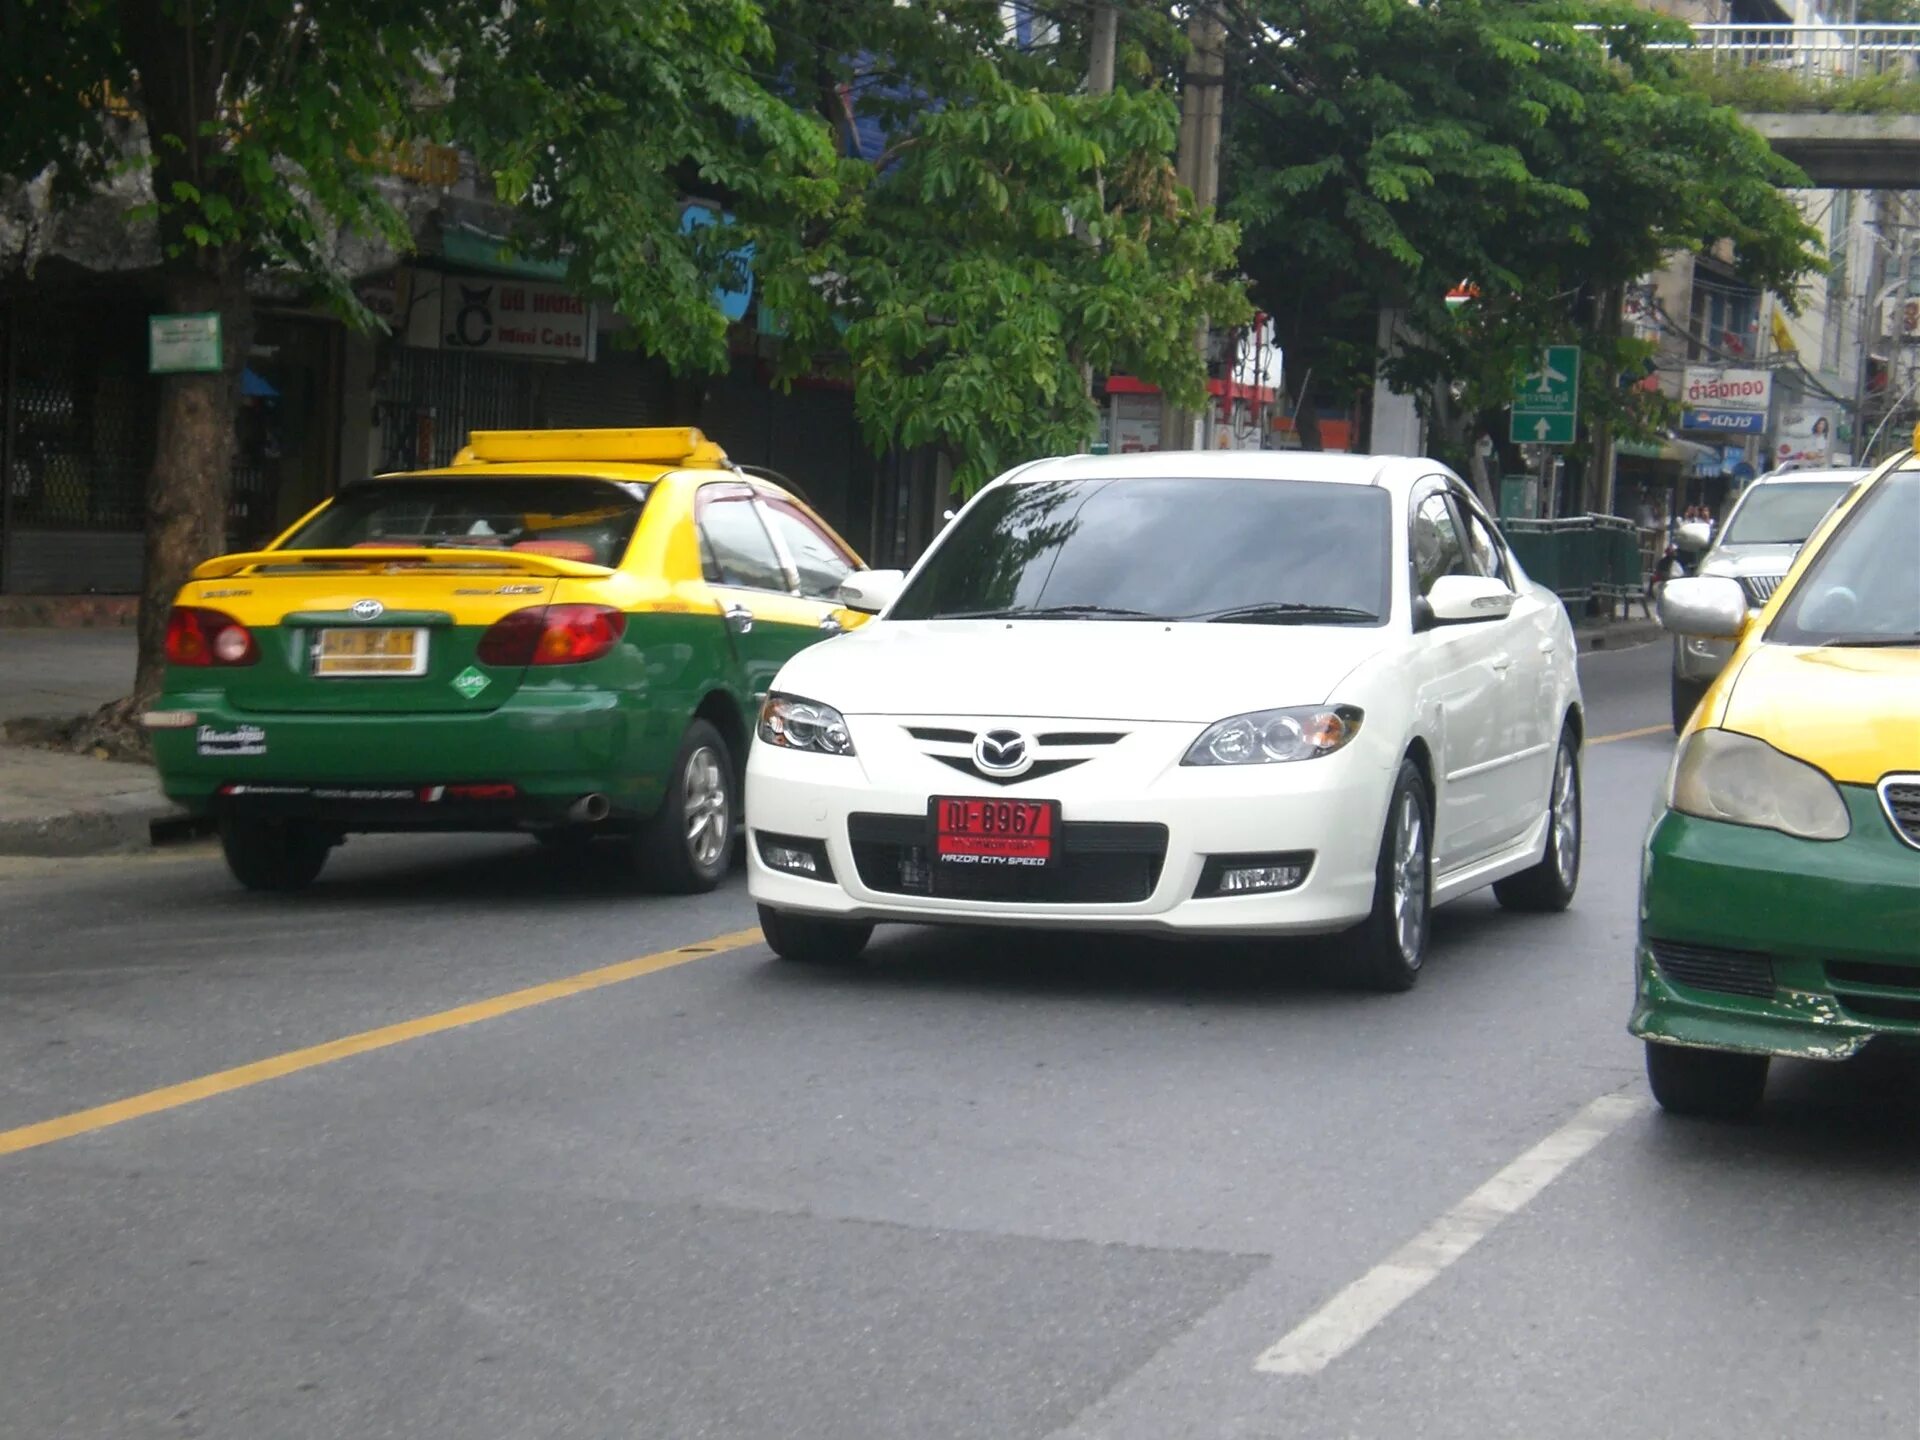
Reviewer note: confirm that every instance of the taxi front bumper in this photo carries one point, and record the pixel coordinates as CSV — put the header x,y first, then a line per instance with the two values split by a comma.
x,y
1754,941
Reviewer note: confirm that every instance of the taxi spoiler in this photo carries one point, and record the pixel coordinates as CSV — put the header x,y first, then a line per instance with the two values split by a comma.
x,y
521,562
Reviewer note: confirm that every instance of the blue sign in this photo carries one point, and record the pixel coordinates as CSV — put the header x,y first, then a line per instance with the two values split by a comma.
x,y
1732,422
732,299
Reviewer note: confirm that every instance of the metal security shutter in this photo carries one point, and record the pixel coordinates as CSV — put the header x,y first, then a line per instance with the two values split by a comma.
x,y
616,392
430,399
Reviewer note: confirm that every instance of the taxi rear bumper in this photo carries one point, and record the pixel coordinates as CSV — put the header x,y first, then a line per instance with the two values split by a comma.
x,y
526,763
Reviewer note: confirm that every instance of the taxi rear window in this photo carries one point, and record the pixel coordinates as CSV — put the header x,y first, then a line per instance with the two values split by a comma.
x,y
570,518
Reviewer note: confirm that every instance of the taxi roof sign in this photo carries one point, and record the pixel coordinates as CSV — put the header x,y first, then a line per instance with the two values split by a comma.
x,y
655,445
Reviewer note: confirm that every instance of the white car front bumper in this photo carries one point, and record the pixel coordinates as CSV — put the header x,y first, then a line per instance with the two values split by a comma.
x,y
871,812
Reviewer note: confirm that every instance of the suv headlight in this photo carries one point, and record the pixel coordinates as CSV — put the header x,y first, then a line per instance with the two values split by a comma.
x,y
1724,775
1264,737
796,724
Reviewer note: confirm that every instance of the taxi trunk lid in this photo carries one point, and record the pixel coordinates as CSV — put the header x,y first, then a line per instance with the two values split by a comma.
x,y
383,632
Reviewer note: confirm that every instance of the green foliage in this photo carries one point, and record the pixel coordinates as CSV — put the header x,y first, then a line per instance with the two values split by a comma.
x,y
1018,235
1779,90
1383,152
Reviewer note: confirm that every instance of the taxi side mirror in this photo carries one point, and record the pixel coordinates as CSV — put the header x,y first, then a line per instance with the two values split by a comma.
x,y
1710,606
871,591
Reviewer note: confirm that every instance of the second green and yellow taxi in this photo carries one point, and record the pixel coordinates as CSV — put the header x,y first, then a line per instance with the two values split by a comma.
x,y
1780,893
562,632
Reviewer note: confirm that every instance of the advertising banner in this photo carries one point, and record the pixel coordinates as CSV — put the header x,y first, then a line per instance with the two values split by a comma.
x,y
1805,437
514,317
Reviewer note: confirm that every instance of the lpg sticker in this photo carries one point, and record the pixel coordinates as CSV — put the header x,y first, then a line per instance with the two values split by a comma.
x,y
210,740
470,682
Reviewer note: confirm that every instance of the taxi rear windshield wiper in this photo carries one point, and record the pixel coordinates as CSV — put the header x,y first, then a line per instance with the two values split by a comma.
x,y
1285,613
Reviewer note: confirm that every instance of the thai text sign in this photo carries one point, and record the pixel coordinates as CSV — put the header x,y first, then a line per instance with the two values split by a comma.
x,y
1711,388
514,317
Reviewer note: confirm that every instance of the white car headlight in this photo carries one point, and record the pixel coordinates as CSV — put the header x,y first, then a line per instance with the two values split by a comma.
x,y
796,724
1264,737
1724,775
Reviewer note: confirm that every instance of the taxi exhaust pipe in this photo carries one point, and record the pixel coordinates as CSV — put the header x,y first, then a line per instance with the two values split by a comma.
x,y
590,809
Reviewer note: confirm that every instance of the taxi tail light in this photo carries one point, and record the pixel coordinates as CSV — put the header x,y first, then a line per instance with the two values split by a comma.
x,y
199,636
552,635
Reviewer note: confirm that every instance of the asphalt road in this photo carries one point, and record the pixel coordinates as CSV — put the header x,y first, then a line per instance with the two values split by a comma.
x,y
996,1188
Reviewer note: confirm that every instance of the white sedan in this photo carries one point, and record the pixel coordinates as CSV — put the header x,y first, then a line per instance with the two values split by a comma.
x,y
1213,694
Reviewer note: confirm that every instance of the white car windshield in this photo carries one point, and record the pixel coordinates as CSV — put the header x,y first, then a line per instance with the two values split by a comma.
x,y
1253,551
1783,512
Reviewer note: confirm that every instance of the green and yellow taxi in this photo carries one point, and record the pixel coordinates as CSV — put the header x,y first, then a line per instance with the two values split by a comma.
x,y
561,632
1780,889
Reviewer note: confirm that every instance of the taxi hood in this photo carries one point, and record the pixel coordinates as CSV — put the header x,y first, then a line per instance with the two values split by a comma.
x,y
1080,669
1849,710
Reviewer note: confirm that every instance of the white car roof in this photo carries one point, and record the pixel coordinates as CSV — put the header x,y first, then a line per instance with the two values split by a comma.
x,y
1837,475
1341,469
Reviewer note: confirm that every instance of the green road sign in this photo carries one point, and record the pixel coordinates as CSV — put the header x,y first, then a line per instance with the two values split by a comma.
x,y
1548,398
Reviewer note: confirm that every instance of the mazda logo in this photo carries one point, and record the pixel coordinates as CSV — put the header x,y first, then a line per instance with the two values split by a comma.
x,y
1003,752
368,609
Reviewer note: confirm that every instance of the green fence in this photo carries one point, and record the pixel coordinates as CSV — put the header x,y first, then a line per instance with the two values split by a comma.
x,y
1586,557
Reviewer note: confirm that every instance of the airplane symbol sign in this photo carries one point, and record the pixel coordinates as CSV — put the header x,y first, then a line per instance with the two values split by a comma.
x,y
1546,403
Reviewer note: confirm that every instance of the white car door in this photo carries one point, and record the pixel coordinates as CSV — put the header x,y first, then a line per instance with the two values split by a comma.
x,y
1530,639
1459,675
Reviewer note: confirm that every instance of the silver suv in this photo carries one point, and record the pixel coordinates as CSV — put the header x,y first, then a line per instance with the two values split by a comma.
x,y
1770,522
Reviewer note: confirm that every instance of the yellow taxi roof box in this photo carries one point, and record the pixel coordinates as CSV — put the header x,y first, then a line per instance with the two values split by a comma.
x,y
656,445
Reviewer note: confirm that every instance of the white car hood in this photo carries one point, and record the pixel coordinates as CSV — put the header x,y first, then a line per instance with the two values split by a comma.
x,y
1078,669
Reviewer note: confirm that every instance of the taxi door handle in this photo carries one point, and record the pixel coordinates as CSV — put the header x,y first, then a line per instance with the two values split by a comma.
x,y
739,619
831,624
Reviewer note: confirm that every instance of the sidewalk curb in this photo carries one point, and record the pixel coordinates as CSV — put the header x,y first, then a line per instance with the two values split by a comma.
x,y
116,825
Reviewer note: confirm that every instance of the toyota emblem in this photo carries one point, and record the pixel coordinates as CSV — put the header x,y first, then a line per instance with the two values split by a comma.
x,y
368,609
1003,752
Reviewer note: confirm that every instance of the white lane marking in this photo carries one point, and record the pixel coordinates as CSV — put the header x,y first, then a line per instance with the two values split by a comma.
x,y
1345,1320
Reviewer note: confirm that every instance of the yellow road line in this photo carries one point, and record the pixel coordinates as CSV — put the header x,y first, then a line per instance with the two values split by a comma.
x,y
1631,734
172,1097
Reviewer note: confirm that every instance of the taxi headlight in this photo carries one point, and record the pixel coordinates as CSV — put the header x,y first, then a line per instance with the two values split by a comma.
x,y
796,724
1723,775
1264,737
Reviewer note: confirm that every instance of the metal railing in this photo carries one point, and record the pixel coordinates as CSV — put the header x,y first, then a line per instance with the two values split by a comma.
x,y
1817,52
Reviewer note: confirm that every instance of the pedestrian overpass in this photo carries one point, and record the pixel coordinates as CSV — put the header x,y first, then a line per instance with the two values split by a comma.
x,y
1837,150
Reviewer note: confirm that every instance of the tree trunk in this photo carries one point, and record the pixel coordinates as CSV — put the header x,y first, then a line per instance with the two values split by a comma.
x,y
1306,417
192,475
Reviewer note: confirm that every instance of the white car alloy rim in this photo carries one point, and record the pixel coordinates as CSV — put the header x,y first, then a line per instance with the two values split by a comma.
x,y
706,812
1409,876
1566,819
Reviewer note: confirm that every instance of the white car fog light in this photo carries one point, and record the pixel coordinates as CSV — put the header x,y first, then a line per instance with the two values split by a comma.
x,y
794,856
1252,874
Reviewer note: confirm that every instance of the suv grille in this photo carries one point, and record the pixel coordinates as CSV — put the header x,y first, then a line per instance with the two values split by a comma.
x,y
1097,864
1735,972
1760,588
1900,795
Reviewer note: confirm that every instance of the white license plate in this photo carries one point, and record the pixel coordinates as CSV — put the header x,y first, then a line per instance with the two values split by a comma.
x,y
370,651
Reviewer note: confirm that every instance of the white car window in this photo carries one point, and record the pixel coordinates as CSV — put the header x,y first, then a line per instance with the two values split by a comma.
x,y
1437,547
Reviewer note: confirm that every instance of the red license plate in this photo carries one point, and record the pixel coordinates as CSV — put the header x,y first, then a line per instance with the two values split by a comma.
x,y
976,830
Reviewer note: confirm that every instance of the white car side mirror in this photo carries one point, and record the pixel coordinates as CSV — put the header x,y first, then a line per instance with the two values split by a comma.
x,y
1462,599
871,591
1712,606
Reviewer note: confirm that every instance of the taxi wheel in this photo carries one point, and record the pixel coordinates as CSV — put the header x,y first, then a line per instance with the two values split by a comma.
x,y
808,940
274,855
1550,885
687,848
1711,1084
1388,948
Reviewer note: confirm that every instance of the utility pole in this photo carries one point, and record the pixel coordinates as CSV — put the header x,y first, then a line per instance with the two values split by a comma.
x,y
1198,169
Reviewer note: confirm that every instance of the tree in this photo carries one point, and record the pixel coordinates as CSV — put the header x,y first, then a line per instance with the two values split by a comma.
x,y
267,133
1383,152
1013,234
